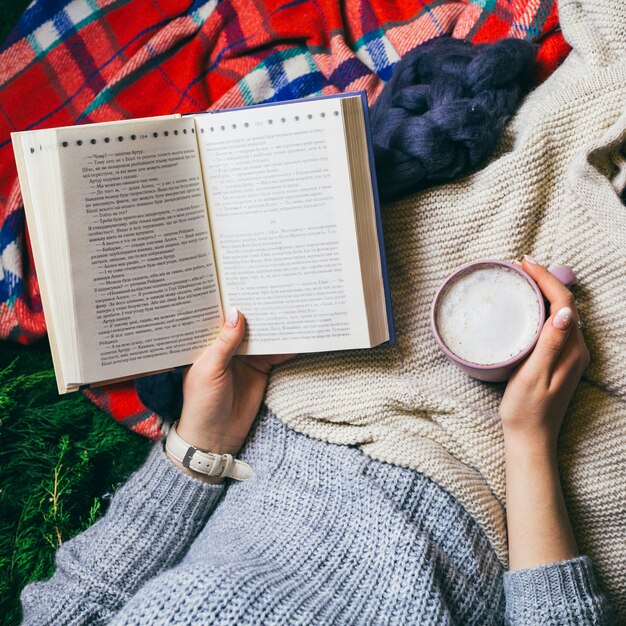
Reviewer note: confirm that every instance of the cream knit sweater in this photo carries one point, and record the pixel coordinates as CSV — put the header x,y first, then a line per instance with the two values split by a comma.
x,y
552,192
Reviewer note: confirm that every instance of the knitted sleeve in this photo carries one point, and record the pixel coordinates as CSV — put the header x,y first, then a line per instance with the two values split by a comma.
x,y
559,594
152,520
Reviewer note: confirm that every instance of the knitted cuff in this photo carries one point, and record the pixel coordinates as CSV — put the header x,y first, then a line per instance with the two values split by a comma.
x,y
158,482
560,593
153,518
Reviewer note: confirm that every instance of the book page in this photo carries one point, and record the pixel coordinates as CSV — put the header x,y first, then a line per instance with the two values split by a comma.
x,y
146,294
281,211
37,160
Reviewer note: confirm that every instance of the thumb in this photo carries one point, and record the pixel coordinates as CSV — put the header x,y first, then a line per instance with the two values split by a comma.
x,y
225,345
552,340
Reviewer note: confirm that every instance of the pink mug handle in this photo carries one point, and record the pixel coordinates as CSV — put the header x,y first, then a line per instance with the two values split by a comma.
x,y
565,274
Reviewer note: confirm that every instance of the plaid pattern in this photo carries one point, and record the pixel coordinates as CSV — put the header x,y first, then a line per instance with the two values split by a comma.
x,y
80,61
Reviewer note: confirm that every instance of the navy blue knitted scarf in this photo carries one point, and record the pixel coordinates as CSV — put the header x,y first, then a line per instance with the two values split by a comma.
x,y
444,109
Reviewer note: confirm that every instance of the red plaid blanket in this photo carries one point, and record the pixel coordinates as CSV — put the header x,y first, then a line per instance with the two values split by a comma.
x,y
79,61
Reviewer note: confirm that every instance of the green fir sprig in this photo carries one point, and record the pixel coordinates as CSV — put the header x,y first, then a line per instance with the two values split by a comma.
x,y
60,460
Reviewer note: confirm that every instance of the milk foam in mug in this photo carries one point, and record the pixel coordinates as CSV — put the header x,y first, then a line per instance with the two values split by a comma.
x,y
487,316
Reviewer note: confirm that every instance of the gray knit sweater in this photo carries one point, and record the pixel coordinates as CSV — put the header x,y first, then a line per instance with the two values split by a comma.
x,y
322,534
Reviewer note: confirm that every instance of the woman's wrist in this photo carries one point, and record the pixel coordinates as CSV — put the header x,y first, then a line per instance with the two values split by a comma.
x,y
207,439
522,457
534,444
211,480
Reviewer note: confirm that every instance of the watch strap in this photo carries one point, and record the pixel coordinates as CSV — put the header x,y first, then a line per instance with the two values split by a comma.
x,y
204,462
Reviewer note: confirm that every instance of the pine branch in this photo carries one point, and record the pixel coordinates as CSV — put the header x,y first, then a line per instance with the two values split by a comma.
x,y
59,457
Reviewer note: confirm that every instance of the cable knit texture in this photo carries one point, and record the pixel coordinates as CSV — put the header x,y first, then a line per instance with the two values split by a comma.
x,y
322,534
552,192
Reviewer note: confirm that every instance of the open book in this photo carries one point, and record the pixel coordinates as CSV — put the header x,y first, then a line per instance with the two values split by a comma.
x,y
144,231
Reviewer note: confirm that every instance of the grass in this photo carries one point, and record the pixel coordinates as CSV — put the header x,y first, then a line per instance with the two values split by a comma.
x,y
60,459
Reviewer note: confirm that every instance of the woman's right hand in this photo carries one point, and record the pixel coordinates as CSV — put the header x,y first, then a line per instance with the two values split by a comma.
x,y
540,389
532,410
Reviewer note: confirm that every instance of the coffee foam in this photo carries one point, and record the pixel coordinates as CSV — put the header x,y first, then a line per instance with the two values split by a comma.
x,y
488,316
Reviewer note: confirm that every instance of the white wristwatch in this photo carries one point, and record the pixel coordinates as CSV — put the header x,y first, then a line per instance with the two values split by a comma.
x,y
203,462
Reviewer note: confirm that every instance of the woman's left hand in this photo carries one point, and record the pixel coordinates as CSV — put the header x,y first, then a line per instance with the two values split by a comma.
x,y
222,392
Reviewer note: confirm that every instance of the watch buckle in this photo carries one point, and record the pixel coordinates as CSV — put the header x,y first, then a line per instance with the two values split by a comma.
x,y
188,456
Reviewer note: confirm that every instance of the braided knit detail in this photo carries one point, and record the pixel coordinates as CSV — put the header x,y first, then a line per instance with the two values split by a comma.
x,y
443,110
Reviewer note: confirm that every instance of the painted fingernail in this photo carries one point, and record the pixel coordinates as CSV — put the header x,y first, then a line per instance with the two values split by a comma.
x,y
563,318
530,259
232,316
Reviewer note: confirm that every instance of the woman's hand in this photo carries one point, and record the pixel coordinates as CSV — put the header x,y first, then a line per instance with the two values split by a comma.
x,y
532,410
540,389
222,392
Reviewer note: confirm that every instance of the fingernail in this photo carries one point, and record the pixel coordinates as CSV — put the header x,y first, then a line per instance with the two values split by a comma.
x,y
563,318
232,316
530,259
